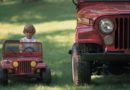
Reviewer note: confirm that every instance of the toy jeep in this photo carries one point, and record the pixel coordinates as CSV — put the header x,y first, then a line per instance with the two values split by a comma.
x,y
102,39
23,60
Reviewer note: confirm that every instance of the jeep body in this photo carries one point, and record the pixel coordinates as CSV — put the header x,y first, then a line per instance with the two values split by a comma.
x,y
23,60
102,39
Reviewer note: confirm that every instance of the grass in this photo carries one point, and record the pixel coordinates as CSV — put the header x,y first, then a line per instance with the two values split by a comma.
x,y
55,23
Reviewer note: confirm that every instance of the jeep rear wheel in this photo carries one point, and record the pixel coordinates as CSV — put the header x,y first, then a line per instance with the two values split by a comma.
x,y
81,70
3,77
46,76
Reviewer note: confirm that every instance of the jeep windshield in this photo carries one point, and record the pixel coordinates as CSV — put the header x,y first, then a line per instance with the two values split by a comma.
x,y
22,49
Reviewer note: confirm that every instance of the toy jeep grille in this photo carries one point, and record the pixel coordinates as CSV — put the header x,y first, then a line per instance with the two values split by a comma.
x,y
24,67
122,33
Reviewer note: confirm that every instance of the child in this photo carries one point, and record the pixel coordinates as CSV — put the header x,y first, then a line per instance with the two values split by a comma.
x,y
29,31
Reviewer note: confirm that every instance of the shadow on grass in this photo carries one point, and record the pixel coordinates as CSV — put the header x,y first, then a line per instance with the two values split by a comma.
x,y
39,12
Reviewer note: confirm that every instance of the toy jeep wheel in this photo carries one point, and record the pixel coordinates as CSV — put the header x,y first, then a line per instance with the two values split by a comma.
x,y
3,77
81,71
46,76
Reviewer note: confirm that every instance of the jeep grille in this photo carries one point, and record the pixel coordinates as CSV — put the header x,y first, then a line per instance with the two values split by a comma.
x,y
122,33
24,67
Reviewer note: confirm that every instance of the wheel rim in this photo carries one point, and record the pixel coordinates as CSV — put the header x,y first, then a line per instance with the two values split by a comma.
x,y
74,65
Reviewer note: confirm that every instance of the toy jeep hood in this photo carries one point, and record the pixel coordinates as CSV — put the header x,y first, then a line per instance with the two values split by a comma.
x,y
95,9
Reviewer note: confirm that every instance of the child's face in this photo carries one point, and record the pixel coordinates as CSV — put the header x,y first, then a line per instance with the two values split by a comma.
x,y
28,35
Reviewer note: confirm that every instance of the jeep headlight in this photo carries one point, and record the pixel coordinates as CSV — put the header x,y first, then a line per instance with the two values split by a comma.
x,y
33,64
106,26
15,64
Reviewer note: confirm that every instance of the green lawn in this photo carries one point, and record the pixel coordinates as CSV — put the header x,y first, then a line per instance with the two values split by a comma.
x,y
55,22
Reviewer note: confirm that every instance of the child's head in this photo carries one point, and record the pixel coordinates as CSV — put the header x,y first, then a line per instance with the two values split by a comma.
x,y
29,30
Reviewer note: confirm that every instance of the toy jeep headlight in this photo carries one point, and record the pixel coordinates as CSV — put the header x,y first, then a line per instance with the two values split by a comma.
x,y
15,64
33,64
106,26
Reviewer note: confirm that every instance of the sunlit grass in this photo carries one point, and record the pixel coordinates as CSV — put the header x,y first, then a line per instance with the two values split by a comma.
x,y
7,29
41,27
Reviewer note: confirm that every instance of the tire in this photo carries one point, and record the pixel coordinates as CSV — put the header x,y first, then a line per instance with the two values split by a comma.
x,y
117,68
3,77
46,76
81,69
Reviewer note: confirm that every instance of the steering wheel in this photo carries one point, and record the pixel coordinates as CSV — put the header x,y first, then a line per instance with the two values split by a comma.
x,y
29,49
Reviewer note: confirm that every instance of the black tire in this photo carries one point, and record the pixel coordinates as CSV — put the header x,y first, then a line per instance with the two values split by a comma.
x,y
3,77
117,68
46,76
81,69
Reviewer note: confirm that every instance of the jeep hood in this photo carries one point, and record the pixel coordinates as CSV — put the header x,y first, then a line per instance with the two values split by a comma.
x,y
80,1
94,10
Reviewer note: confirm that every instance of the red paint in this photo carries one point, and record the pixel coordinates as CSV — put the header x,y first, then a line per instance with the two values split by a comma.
x,y
95,11
23,58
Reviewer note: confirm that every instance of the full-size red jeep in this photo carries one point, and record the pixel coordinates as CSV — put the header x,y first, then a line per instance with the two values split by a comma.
x,y
23,60
102,39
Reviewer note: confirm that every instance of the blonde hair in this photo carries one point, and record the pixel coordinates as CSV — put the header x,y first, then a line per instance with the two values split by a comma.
x,y
29,28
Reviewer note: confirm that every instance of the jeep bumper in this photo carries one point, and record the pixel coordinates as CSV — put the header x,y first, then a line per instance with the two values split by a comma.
x,y
106,57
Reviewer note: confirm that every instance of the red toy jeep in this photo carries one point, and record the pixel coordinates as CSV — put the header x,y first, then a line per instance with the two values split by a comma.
x,y
102,39
23,60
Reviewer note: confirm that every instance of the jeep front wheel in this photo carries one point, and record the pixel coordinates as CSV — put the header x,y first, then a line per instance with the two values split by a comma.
x,y
3,77
81,70
46,76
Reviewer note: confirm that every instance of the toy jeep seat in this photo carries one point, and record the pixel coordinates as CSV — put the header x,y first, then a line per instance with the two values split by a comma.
x,y
25,63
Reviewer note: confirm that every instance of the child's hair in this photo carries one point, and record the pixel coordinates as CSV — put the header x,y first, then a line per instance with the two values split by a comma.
x,y
29,28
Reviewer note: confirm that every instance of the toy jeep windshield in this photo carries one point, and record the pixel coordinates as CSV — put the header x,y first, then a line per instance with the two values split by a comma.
x,y
22,60
102,39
